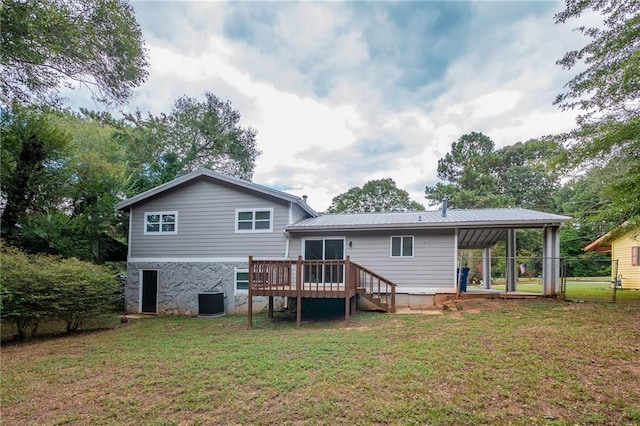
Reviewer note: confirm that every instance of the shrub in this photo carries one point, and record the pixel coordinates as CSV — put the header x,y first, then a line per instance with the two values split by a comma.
x,y
82,290
44,286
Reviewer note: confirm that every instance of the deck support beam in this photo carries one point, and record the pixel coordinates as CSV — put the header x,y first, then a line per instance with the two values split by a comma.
x,y
299,273
347,307
270,307
250,295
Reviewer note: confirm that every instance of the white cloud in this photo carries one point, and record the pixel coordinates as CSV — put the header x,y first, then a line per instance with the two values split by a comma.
x,y
341,93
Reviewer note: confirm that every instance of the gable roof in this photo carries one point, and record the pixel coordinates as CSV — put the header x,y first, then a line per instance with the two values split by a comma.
x,y
215,176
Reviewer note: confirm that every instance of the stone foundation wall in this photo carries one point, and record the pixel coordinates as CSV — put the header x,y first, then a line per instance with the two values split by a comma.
x,y
180,283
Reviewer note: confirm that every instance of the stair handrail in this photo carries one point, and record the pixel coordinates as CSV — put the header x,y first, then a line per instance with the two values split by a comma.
x,y
389,293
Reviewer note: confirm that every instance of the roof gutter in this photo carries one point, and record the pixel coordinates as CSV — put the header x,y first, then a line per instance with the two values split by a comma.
x,y
443,225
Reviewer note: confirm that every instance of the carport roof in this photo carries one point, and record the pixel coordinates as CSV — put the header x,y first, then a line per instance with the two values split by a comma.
x,y
477,227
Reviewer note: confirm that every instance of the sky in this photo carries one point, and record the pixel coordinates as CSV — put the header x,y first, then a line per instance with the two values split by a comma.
x,y
342,93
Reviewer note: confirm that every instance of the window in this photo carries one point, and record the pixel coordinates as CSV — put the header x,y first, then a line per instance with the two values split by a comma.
x,y
255,220
635,256
402,246
241,281
161,223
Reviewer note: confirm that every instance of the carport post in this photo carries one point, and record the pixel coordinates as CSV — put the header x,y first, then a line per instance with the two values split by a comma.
x,y
511,267
551,261
486,267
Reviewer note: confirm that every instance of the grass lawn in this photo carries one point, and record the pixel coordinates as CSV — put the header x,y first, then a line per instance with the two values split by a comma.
x,y
582,288
518,362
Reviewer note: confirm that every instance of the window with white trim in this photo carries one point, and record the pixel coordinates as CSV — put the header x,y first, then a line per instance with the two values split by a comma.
x,y
161,222
635,256
241,281
254,220
402,246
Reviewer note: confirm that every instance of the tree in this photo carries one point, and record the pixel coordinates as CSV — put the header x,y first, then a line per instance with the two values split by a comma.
x,y
47,44
85,218
195,134
33,165
61,176
380,195
611,81
468,169
477,176
527,174
607,94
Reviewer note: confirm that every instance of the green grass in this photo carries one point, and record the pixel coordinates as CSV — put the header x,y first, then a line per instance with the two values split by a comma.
x,y
518,362
583,288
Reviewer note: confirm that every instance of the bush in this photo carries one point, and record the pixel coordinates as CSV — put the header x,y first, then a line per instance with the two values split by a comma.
x,y
43,286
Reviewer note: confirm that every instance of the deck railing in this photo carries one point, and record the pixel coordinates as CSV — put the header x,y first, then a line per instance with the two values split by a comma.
x,y
317,277
381,289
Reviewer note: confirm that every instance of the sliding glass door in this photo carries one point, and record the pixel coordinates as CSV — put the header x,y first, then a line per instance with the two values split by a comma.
x,y
324,249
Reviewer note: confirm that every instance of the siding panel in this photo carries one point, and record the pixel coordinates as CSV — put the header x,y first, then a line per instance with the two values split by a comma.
x,y
621,250
431,267
206,224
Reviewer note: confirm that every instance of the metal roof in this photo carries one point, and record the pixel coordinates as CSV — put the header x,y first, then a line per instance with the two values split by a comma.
x,y
477,228
475,218
210,174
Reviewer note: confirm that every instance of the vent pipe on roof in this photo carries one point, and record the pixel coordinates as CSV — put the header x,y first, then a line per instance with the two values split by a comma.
x,y
304,199
444,207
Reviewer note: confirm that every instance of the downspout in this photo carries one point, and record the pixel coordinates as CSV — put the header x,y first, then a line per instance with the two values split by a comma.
x,y
455,260
130,233
286,244
286,256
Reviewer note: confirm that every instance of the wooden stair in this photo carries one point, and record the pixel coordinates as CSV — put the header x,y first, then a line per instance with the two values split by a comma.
x,y
377,301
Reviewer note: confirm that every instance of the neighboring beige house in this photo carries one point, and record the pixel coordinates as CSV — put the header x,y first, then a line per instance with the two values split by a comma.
x,y
624,249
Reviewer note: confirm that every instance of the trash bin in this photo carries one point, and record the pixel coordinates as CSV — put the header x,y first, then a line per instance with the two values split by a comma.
x,y
463,274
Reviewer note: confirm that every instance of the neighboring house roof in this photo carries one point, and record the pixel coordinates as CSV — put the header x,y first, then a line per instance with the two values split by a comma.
x,y
210,174
603,243
478,228
599,245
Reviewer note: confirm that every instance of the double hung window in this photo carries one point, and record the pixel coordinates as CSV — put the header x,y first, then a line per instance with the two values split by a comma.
x,y
402,246
254,220
161,223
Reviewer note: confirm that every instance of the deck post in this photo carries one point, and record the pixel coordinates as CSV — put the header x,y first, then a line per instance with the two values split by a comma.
x,y
347,306
393,299
299,273
270,307
249,296
347,288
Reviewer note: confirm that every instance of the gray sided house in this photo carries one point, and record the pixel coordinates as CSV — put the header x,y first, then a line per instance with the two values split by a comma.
x,y
192,237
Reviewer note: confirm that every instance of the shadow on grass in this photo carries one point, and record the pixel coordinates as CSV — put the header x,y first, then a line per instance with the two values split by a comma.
x,y
321,311
55,329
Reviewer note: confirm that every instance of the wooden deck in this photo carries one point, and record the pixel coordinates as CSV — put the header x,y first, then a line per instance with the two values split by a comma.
x,y
337,279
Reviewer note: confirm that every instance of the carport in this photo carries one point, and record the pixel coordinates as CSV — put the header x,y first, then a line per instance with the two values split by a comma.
x,y
483,231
